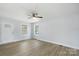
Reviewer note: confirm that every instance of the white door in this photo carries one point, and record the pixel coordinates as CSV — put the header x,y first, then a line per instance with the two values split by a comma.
x,y
7,32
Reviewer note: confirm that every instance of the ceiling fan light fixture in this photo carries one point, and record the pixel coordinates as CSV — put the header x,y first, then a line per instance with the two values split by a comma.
x,y
36,19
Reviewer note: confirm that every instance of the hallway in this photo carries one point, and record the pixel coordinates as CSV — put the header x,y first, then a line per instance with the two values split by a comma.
x,y
35,47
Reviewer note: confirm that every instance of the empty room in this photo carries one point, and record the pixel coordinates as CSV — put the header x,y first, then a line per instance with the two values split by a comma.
x,y
39,29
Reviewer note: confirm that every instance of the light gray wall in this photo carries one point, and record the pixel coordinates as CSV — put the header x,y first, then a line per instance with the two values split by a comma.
x,y
13,33
0,30
62,29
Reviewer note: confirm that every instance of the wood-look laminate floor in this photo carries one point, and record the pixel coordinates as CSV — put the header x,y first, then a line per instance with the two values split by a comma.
x,y
35,47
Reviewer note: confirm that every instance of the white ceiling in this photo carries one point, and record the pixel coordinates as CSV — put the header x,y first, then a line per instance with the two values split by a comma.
x,y
19,11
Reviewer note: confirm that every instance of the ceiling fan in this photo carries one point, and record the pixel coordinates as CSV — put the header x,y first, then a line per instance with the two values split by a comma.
x,y
34,15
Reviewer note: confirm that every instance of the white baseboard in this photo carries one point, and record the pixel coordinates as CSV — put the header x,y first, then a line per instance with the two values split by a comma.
x,y
1,43
57,43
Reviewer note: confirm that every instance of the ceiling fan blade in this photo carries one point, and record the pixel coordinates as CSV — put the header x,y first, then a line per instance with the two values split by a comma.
x,y
39,17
